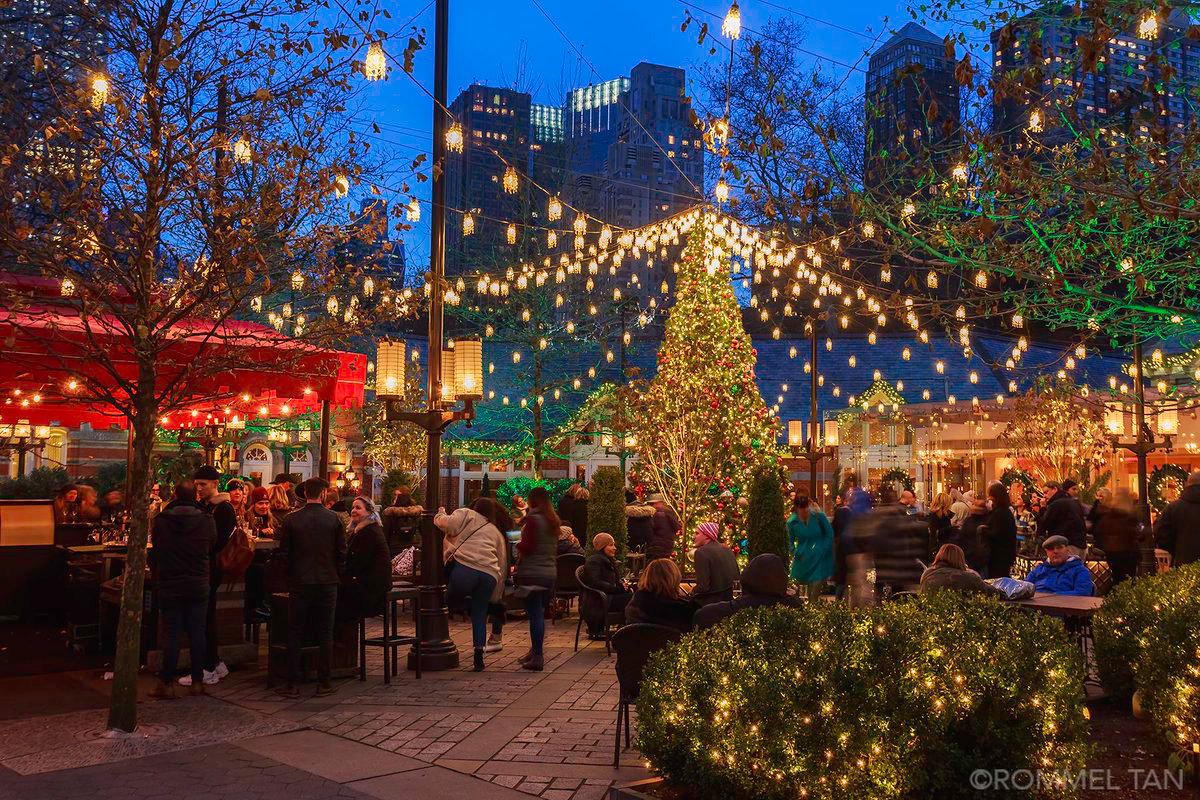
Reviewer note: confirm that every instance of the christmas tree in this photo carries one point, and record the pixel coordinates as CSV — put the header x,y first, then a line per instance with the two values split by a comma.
x,y
704,429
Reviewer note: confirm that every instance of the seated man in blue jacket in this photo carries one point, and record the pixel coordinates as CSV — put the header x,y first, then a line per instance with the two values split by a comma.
x,y
1061,572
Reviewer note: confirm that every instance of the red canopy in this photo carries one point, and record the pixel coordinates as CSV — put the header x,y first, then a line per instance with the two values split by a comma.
x,y
46,354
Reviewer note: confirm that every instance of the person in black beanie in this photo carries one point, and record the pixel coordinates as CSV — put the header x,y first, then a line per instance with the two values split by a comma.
x,y
216,504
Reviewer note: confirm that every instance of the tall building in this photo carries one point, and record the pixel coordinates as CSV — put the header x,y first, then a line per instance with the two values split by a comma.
x,y
590,120
912,105
497,133
1111,99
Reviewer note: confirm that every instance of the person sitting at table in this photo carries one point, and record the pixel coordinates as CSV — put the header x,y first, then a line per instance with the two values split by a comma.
x,y
716,565
368,576
66,505
664,528
258,519
183,538
658,598
237,498
89,510
1062,572
476,558
950,571
567,543
280,505
600,572
764,583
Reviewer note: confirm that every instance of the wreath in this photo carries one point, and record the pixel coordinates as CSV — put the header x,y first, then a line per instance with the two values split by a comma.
x,y
898,474
1013,475
1163,477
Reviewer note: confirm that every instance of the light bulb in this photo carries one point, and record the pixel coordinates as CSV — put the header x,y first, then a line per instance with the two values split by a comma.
x,y
375,64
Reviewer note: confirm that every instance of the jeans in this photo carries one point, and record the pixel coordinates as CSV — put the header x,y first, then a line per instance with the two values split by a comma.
x,y
471,588
187,614
315,603
537,603
497,612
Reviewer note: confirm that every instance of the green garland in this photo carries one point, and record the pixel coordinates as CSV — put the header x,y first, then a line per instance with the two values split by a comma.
x,y
1159,479
899,474
1013,475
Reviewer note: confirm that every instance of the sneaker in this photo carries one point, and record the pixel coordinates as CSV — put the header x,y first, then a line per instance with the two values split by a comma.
x,y
221,670
210,679
492,647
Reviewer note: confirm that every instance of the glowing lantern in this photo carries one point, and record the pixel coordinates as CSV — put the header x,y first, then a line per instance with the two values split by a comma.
x,y
375,64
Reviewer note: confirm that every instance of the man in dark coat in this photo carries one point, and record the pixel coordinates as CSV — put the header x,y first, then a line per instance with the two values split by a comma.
x,y
764,583
314,542
216,504
1178,527
183,537
898,545
665,528
639,522
1064,517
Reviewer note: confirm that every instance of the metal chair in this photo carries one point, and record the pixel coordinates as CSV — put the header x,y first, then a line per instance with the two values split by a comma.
x,y
593,609
566,585
391,640
634,645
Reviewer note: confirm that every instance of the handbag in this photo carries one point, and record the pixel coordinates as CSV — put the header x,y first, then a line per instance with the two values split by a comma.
x,y
1015,589
236,556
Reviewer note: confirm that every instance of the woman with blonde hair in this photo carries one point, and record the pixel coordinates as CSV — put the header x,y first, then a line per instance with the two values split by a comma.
x,y
941,531
280,505
949,571
659,600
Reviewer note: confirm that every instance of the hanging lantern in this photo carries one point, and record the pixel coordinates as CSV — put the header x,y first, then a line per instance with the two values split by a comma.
x,y
510,233
67,288
468,368
1035,121
1148,26
454,137
906,354
331,305
605,236
368,286
731,26
908,210
375,64
99,91
959,173
243,153
722,191
551,239
510,181
580,225
868,230
341,186
720,131
931,280
297,280
256,303
389,368
468,224
554,209
413,212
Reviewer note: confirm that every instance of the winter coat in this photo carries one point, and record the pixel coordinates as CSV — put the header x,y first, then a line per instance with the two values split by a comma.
x,y
842,517
225,518
1001,542
183,537
658,610
573,513
1178,527
639,522
369,569
1064,517
1070,577
600,572
898,546
764,583
944,576
940,530
811,545
538,548
664,529
1116,532
973,542
716,572
476,543
314,542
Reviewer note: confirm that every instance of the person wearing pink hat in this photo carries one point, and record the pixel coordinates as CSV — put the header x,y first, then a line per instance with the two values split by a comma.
x,y
716,565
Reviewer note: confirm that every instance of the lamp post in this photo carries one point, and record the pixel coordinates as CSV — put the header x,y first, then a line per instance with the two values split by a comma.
x,y
811,449
22,439
1143,444
211,436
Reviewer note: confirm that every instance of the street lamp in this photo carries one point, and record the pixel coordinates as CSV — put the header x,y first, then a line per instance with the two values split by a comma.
x,y
211,436
22,439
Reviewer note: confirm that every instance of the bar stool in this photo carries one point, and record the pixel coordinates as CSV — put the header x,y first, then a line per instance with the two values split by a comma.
x,y
391,640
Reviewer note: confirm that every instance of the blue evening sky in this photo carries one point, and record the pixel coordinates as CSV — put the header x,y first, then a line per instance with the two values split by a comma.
x,y
513,43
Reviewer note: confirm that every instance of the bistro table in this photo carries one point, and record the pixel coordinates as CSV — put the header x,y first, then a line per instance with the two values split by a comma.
x,y
1076,611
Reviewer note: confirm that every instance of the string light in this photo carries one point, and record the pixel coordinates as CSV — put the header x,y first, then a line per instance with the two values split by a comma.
x,y
731,27
99,91
413,212
375,64
510,181
454,137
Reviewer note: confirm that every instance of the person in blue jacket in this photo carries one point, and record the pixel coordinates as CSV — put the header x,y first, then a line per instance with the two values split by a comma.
x,y
1061,572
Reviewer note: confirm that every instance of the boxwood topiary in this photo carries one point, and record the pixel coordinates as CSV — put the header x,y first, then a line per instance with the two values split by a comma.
x,y
606,508
901,701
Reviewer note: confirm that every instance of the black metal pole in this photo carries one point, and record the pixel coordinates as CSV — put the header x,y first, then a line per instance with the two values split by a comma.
x,y
438,651
813,443
1146,563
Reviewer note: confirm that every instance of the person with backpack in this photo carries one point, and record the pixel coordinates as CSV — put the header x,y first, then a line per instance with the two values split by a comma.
x,y
182,538
314,542
216,504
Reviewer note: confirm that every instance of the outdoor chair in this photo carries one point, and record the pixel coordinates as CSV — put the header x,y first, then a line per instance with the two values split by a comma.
x,y
593,609
566,585
391,640
634,644
1162,559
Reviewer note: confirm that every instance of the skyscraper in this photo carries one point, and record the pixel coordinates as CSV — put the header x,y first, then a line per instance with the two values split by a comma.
x,y
1109,100
912,106
496,127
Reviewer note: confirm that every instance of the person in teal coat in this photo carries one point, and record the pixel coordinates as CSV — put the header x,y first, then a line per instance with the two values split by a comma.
x,y
810,537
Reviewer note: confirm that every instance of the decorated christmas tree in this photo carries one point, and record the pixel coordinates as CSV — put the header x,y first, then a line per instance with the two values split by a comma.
x,y
704,429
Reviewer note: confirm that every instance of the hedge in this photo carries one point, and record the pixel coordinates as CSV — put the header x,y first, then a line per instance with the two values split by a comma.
x,y
766,528
901,701
606,509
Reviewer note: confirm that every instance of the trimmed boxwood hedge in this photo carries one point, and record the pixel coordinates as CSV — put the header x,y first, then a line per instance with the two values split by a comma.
x,y
901,701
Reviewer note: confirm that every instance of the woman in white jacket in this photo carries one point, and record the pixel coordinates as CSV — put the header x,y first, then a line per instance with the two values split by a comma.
x,y
476,564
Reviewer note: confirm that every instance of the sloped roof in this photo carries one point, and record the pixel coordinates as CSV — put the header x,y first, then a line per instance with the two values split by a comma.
x,y
915,32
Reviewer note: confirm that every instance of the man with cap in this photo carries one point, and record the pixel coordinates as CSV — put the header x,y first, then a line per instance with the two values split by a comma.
x,y
716,565
1064,517
664,527
1062,572
216,504
600,572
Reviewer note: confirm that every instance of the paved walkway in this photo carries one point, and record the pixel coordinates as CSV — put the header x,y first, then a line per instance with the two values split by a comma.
x,y
504,733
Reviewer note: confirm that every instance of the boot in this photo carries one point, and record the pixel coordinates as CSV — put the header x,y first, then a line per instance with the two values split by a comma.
x,y
163,691
478,659
528,655
534,664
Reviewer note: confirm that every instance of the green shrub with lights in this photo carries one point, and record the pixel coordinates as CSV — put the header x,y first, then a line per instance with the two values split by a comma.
x,y
901,701
1147,638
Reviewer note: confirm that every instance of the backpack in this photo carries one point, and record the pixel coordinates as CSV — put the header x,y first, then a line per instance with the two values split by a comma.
x,y
236,556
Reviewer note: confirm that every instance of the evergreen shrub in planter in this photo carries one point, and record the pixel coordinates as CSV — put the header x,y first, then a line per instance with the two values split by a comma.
x,y
901,701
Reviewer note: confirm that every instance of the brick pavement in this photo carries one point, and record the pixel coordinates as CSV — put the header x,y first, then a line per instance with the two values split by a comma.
x,y
512,732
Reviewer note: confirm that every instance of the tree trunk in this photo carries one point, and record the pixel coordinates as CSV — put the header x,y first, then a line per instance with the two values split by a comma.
x,y
122,710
